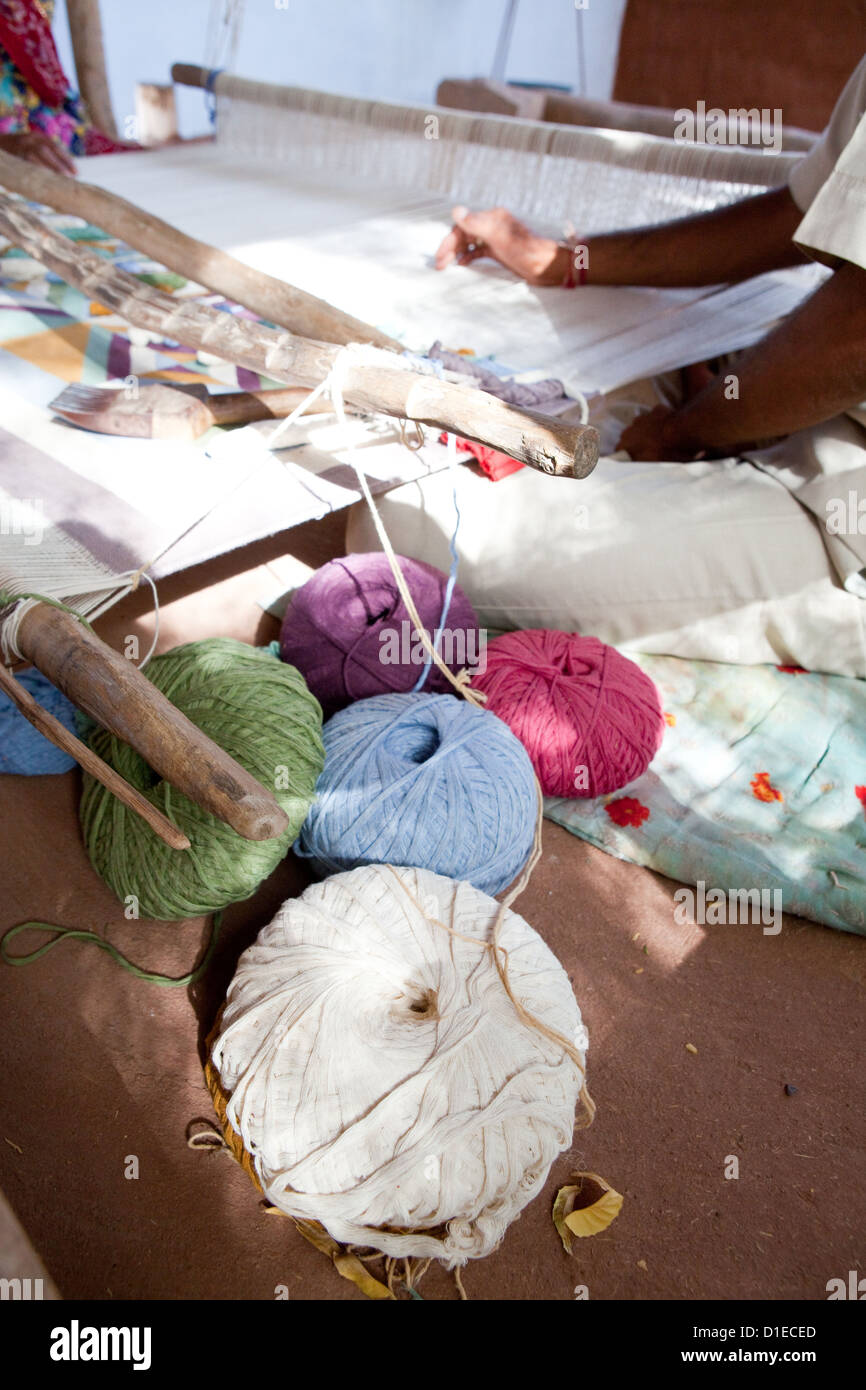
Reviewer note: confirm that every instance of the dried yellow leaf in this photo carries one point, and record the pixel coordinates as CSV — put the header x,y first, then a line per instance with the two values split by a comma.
x,y
690,1047
348,1265
584,1207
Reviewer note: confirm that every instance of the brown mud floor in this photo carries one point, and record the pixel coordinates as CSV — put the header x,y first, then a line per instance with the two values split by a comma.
x,y
98,1066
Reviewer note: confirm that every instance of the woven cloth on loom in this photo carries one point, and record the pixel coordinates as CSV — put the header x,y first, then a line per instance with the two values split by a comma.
x,y
321,209
740,800
351,198
131,501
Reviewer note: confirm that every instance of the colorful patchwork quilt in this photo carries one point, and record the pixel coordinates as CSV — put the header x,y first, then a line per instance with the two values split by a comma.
x,y
174,504
47,322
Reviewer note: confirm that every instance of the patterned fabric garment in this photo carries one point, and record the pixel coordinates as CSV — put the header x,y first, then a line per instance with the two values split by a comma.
x,y
757,795
35,93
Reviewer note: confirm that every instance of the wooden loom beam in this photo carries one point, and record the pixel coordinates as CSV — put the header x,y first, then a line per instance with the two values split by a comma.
x,y
61,737
218,271
190,74
370,378
121,698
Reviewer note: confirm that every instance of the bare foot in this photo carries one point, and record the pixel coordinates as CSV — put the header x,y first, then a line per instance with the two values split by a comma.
x,y
497,234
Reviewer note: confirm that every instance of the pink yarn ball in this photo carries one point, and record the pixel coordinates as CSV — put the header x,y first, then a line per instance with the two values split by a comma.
x,y
590,719
348,631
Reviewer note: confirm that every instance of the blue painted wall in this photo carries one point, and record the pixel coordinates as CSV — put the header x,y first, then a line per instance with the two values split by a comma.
x,y
392,49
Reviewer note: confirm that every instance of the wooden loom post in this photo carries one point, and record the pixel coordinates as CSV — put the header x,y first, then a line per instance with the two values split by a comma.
x,y
85,31
373,381
219,272
155,113
121,698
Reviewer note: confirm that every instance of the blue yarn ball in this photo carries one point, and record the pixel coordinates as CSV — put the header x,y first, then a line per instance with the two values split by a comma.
x,y
423,781
23,750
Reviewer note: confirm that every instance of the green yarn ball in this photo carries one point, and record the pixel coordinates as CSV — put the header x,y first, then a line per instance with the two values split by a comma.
x,y
260,711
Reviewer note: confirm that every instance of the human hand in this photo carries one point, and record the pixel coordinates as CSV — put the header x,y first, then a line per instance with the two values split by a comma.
x,y
38,148
650,438
496,233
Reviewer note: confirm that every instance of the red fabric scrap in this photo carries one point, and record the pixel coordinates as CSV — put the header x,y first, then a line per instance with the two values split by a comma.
x,y
495,465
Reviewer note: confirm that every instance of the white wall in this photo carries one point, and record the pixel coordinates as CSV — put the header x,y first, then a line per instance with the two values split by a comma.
x,y
392,49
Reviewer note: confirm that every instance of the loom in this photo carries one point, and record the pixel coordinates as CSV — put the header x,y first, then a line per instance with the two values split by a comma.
x,y
346,199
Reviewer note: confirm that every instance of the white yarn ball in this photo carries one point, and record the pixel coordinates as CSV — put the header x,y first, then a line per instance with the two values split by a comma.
x,y
380,1076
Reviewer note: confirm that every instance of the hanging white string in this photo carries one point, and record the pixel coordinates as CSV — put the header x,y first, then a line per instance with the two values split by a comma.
x,y
581,54
503,42
147,579
286,424
225,20
334,384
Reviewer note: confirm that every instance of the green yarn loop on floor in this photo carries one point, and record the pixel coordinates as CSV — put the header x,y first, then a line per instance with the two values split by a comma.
x,y
260,711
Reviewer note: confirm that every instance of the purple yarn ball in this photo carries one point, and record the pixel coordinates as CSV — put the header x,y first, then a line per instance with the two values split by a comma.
x,y
349,634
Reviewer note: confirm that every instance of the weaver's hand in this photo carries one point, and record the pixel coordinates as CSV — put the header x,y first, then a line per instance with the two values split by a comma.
x,y
648,438
37,148
497,234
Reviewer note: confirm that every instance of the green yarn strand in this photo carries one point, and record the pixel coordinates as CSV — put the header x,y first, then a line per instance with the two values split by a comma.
x,y
68,934
9,596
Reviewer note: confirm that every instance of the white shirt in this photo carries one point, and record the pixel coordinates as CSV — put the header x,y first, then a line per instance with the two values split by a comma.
x,y
825,466
829,184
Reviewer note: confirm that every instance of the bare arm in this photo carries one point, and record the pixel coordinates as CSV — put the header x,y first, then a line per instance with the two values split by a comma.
x,y
727,244
808,369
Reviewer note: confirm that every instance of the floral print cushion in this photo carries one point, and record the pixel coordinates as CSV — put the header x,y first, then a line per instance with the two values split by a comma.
x,y
760,784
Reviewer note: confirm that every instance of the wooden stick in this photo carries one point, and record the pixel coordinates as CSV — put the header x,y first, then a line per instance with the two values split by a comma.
x,y
190,74
155,113
121,698
85,31
218,271
60,736
370,380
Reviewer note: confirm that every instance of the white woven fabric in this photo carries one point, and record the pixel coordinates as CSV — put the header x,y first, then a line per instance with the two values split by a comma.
x,y
379,1074
616,178
368,248
39,558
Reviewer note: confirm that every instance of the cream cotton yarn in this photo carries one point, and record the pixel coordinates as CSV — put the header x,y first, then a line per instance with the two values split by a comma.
x,y
380,1076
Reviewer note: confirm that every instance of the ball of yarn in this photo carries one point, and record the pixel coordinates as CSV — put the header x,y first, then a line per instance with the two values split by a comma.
x,y
350,635
590,719
380,1076
258,710
23,750
426,780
